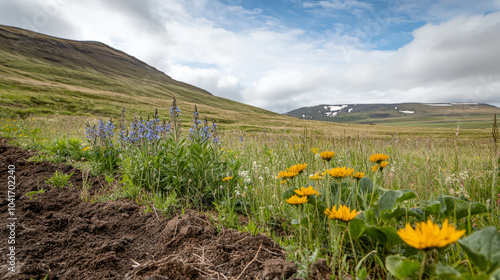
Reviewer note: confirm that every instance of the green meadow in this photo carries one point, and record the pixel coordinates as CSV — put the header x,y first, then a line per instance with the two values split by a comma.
x,y
233,175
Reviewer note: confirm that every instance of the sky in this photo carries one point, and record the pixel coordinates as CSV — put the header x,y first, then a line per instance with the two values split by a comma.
x,y
281,55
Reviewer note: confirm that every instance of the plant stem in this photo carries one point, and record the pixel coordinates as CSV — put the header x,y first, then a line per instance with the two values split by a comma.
x,y
328,203
340,193
352,244
423,265
374,186
356,194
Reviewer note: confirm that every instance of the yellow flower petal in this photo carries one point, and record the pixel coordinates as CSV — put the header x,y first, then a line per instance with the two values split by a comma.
x,y
295,199
428,235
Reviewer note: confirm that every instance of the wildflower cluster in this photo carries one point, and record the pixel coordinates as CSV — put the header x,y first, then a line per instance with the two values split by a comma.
x,y
340,172
380,161
342,213
317,176
302,195
292,171
199,132
145,131
328,155
102,134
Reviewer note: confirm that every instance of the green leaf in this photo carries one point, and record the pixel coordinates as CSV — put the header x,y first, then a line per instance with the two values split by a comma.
x,y
483,248
370,216
305,221
357,227
400,267
480,276
432,207
459,208
390,197
447,271
397,213
366,185
295,222
361,274
288,193
388,236
319,204
495,275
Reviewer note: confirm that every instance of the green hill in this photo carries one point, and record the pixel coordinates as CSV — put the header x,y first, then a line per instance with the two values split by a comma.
x,y
41,74
466,115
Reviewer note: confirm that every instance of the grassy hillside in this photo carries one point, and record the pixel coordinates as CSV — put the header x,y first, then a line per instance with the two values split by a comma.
x,y
43,75
46,75
465,115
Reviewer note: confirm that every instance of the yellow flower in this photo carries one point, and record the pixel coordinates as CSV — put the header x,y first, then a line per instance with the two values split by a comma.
x,y
429,235
340,172
297,168
377,158
314,150
316,176
343,213
383,164
295,199
328,155
306,191
287,174
359,175
86,148
227,178
283,181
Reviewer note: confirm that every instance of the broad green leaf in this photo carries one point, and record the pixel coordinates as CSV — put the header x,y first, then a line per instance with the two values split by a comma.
x,y
480,276
357,227
361,274
390,197
431,207
320,205
397,213
483,248
305,221
459,208
370,216
365,185
406,195
495,275
387,201
409,251
288,193
388,236
401,267
447,271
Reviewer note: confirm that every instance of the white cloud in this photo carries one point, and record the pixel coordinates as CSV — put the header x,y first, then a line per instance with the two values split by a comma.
x,y
248,56
444,61
337,4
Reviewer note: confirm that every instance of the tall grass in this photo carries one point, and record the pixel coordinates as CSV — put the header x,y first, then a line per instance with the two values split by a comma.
x,y
431,168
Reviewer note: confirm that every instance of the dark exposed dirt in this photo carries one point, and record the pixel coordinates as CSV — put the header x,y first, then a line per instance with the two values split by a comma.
x,y
60,235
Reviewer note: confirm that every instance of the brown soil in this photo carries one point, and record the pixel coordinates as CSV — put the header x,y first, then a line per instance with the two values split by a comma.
x,y
59,235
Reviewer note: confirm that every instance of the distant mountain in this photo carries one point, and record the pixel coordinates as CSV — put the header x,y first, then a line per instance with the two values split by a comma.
x,y
472,115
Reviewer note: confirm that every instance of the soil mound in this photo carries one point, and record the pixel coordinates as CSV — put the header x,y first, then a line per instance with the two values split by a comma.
x,y
59,235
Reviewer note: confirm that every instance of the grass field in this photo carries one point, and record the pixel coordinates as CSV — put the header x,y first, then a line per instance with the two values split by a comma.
x,y
425,174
